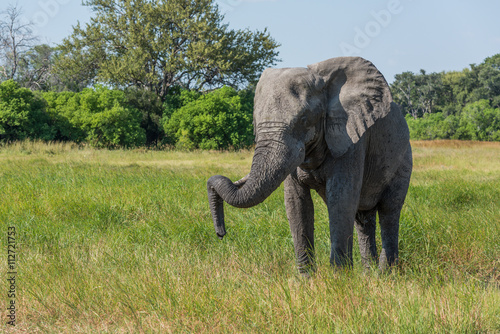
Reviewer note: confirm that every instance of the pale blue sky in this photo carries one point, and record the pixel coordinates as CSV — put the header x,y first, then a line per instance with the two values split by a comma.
x,y
396,35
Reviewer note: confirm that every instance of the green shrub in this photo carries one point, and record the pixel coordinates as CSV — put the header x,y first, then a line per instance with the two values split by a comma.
x,y
218,120
114,127
177,98
63,108
432,126
100,116
107,120
479,121
151,108
22,114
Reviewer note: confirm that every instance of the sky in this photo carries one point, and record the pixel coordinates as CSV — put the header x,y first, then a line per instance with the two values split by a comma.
x,y
396,35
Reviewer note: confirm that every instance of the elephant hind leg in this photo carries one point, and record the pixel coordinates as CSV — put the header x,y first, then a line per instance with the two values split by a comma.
x,y
389,230
389,211
366,226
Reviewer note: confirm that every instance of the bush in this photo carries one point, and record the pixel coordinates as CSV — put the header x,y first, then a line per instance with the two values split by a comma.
x,y
63,108
100,116
177,99
107,120
218,120
151,109
432,126
22,114
479,121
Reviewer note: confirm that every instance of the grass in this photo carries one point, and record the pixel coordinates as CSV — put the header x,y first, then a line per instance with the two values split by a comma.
x,y
122,242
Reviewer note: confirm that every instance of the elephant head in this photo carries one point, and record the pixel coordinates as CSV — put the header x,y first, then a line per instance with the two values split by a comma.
x,y
300,116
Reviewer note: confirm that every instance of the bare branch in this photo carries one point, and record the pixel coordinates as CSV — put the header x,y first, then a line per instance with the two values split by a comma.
x,y
16,38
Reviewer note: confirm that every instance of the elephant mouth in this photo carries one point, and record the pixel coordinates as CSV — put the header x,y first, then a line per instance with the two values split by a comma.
x,y
316,152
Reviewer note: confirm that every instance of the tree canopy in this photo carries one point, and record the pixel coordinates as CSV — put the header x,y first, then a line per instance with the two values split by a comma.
x,y
452,105
158,44
448,92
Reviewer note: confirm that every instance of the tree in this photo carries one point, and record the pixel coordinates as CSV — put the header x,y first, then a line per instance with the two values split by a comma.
x,y
489,78
151,109
16,38
418,94
429,90
404,90
156,45
453,93
35,68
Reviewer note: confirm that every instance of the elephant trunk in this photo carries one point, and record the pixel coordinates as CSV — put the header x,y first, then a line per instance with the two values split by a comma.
x,y
272,162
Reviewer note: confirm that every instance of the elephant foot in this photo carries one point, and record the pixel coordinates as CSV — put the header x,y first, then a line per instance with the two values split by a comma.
x,y
306,270
387,263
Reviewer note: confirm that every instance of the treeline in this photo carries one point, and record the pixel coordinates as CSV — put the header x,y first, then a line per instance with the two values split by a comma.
x,y
140,73
110,118
448,105
171,73
452,105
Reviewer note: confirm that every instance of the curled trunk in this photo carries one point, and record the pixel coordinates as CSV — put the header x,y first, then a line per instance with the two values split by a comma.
x,y
271,164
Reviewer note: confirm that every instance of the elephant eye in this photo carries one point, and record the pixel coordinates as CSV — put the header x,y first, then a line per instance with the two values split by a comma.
x,y
294,91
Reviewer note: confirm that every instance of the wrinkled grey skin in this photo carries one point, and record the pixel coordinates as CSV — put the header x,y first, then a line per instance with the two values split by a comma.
x,y
334,128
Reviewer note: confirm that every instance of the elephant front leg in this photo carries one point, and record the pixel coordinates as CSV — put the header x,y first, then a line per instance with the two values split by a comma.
x,y
342,198
300,213
341,235
366,227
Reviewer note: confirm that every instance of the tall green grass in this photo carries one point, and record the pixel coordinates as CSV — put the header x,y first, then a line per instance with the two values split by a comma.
x,y
122,242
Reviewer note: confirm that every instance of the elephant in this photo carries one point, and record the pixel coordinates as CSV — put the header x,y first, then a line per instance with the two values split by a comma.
x,y
331,127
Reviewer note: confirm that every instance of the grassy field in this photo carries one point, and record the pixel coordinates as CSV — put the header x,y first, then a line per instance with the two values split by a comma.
x,y
123,242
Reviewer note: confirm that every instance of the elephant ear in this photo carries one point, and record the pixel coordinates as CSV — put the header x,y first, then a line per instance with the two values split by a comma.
x,y
357,95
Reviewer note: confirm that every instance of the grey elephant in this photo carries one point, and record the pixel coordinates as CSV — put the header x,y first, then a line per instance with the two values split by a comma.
x,y
332,127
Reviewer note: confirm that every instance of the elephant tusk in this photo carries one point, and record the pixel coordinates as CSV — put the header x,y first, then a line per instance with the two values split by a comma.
x,y
242,181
